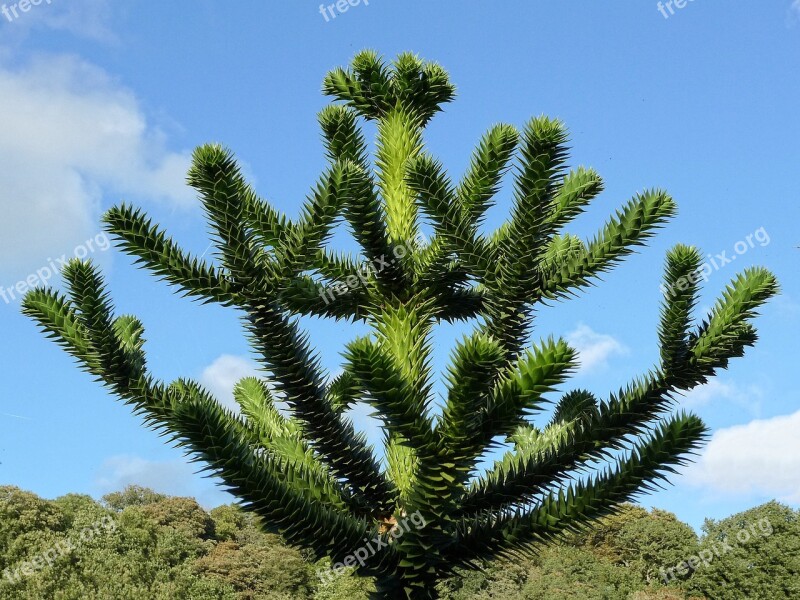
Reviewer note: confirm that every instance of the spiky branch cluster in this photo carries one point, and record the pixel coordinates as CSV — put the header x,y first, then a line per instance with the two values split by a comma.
x,y
311,476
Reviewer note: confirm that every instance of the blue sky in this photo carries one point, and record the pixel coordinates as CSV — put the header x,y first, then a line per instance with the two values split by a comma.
x,y
104,101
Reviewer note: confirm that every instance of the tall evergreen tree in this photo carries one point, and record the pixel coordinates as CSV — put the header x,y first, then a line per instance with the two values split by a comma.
x,y
310,475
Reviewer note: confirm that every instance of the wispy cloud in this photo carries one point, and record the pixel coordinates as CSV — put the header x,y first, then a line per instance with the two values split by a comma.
x,y
716,391
223,374
70,134
594,349
794,13
761,458
172,477
16,416
88,19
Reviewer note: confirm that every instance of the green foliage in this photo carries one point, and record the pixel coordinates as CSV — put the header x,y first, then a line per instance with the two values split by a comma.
x,y
257,569
180,514
229,521
560,572
644,543
166,547
343,585
756,555
22,513
162,548
573,573
133,495
310,476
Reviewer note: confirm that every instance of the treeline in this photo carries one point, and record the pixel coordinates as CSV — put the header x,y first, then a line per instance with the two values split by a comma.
x,y
137,544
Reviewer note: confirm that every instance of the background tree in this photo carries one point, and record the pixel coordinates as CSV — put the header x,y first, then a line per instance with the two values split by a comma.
x,y
133,495
162,548
642,542
167,549
256,565
759,555
619,557
310,476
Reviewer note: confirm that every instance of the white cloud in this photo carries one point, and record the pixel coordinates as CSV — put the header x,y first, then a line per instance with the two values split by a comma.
x,y
748,397
70,134
87,19
594,349
223,374
759,458
172,477
794,13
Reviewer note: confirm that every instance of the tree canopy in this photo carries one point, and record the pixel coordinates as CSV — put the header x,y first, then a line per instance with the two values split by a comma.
x,y
163,548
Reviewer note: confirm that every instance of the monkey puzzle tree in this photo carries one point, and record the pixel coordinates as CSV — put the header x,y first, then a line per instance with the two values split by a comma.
x,y
309,474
